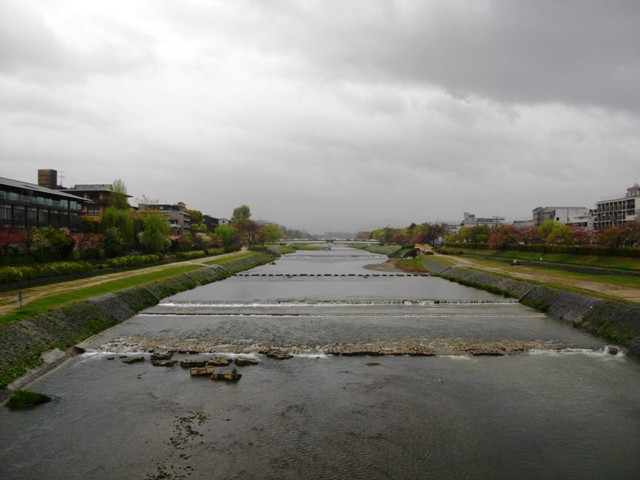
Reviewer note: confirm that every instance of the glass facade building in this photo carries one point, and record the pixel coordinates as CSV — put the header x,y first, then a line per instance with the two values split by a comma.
x,y
25,204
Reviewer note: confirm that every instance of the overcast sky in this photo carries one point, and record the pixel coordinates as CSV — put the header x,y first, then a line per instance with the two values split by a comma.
x,y
338,115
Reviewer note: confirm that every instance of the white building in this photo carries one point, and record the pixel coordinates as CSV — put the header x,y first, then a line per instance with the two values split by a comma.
x,y
574,216
470,220
618,210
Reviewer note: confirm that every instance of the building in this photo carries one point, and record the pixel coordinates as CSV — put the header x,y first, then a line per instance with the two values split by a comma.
x,y
25,204
98,194
179,219
48,178
470,220
522,224
572,216
212,223
618,210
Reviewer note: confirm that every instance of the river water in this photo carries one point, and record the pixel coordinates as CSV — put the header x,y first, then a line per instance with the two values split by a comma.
x,y
563,408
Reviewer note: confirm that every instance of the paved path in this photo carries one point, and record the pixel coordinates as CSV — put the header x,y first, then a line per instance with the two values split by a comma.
x,y
549,276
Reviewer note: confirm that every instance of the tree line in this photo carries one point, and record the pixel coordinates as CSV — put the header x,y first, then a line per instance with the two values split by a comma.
x,y
122,231
425,233
505,236
549,232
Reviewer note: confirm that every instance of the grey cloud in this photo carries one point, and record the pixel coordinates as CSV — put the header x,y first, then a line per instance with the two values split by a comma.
x,y
582,52
324,114
31,51
26,42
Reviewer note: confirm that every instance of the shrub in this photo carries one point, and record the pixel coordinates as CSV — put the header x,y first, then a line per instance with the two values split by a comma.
x,y
191,255
20,274
131,261
50,243
21,399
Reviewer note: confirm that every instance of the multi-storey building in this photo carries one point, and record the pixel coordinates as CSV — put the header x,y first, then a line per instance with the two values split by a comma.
x,y
25,204
98,194
179,219
212,223
470,220
573,216
618,210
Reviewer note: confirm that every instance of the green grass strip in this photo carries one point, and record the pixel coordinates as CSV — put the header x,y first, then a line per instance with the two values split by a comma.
x,y
217,261
554,283
622,263
554,275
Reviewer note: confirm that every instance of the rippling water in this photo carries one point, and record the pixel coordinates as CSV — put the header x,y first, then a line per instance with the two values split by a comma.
x,y
567,414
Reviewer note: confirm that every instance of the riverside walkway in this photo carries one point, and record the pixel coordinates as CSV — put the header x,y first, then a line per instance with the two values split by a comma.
x,y
9,302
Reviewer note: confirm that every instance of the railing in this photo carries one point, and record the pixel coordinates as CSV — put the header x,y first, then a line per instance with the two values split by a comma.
x,y
39,201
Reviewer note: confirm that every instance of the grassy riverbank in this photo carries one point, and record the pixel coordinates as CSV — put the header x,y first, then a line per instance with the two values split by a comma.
x,y
549,259
614,278
58,300
53,295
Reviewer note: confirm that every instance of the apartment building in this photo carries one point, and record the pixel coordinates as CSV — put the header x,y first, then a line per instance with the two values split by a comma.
x,y
618,210
470,220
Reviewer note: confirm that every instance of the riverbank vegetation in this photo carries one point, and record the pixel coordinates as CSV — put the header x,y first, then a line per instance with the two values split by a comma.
x,y
551,237
379,249
605,264
22,399
564,276
611,255
122,239
541,257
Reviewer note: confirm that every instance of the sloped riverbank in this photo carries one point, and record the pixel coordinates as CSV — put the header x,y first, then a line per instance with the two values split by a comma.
x,y
614,321
24,342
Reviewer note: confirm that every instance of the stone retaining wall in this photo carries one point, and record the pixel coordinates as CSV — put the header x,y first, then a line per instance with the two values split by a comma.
x,y
23,342
613,321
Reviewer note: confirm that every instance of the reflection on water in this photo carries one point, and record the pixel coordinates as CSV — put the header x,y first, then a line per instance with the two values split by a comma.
x,y
570,414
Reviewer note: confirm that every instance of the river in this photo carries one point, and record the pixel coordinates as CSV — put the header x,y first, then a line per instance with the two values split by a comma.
x,y
428,408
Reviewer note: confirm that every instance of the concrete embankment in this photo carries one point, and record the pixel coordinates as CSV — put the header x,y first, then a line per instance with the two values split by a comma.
x,y
614,321
24,342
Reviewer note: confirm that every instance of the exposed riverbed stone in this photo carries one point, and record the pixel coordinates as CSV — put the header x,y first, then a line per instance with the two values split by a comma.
x,y
163,363
131,360
244,361
442,346
277,354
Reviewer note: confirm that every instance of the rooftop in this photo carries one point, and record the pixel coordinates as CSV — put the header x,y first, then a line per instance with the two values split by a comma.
x,y
37,188
99,187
